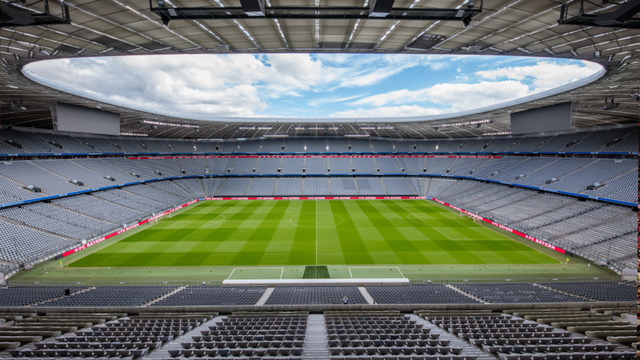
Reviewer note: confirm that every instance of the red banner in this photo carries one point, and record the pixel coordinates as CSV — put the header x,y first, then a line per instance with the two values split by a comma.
x,y
504,227
320,198
310,156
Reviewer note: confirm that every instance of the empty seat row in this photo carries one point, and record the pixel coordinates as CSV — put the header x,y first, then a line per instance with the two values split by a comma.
x,y
241,344
616,355
507,349
383,350
259,353
86,353
388,343
406,357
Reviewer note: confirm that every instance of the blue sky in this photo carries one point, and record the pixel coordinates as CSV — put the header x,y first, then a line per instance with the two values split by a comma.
x,y
265,86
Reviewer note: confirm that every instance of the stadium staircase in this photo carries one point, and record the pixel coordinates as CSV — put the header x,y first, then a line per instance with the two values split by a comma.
x,y
177,290
316,343
554,209
500,205
276,186
88,169
454,341
384,186
366,295
465,293
176,344
63,296
89,215
265,296
621,175
586,210
600,241
126,206
563,292
24,224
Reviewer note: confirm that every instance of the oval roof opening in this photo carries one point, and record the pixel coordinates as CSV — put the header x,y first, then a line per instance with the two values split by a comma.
x,y
313,87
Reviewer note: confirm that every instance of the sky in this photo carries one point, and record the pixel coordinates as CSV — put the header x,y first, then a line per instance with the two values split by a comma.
x,y
326,86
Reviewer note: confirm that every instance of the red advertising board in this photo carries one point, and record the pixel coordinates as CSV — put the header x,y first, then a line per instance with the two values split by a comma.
x,y
319,198
310,156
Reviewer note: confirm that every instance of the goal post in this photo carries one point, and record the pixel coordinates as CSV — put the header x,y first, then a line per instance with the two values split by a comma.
x,y
475,218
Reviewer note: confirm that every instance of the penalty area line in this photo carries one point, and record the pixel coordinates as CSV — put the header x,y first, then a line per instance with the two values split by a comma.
x,y
230,275
281,268
380,267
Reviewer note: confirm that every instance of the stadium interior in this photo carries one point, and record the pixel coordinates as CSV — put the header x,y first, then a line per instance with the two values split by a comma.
x,y
575,190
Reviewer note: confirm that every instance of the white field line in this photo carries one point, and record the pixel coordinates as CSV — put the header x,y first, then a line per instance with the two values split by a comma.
x,y
257,268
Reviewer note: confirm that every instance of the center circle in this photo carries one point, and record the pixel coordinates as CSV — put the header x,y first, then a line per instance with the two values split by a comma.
x,y
316,220
217,220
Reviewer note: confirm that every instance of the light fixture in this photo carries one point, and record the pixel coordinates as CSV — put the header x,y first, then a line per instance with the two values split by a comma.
x,y
17,105
253,8
380,8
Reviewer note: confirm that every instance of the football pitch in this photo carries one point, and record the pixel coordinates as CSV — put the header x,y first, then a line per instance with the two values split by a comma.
x,y
284,239
316,232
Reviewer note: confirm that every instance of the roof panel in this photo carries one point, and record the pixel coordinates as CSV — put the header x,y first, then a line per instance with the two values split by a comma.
x,y
513,27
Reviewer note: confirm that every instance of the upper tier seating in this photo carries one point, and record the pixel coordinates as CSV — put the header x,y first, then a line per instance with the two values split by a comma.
x,y
605,178
620,139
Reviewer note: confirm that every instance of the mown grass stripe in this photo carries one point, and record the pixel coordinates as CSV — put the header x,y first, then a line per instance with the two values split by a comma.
x,y
404,248
351,242
329,246
303,239
253,250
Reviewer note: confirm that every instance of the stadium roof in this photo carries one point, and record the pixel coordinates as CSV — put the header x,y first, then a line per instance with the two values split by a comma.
x,y
606,32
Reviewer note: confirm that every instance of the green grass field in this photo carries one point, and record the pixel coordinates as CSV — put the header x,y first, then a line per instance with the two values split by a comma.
x,y
276,232
217,240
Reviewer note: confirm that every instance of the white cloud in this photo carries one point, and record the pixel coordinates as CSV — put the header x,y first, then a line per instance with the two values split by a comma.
x,y
543,75
458,97
295,71
317,102
226,85
462,97
366,70
508,83
387,112
392,97
208,86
